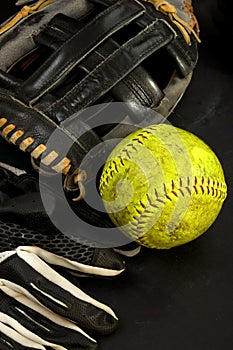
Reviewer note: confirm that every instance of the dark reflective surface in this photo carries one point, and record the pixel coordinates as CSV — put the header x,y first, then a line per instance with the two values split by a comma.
x,y
182,298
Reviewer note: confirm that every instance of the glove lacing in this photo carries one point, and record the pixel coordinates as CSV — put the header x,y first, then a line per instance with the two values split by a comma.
x,y
24,12
185,28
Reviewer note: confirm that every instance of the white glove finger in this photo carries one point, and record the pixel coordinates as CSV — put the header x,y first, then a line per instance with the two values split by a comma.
x,y
70,264
38,325
27,273
11,339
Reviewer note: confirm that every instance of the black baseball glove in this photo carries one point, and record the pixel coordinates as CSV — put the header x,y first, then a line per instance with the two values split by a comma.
x,y
60,58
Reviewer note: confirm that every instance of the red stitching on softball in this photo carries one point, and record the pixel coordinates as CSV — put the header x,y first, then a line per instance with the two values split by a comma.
x,y
143,136
133,222
115,165
143,205
132,146
180,190
138,211
165,192
138,140
127,153
202,189
157,197
175,194
150,201
212,191
121,160
191,186
188,190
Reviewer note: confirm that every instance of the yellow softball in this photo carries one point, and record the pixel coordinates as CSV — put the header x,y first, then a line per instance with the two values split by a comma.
x,y
163,186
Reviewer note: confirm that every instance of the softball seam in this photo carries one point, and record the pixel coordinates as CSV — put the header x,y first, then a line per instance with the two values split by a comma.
x,y
214,187
208,186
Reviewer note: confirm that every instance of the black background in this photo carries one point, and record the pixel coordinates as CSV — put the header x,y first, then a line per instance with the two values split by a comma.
x,y
182,298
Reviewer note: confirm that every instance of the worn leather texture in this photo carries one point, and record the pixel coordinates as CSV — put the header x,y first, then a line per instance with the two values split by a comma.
x,y
181,298
71,55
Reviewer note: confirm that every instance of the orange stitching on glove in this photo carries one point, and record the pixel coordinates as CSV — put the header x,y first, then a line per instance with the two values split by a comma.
x,y
74,182
2,121
63,166
24,12
170,10
78,180
47,160
15,136
26,143
8,129
188,8
37,152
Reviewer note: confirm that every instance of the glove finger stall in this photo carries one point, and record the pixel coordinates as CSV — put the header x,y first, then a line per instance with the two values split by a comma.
x,y
86,313
37,324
